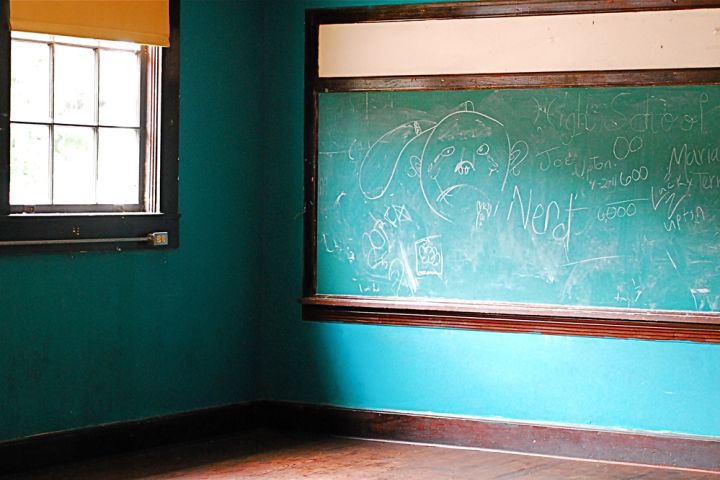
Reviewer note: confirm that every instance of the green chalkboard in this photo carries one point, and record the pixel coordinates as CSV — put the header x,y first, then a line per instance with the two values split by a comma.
x,y
598,197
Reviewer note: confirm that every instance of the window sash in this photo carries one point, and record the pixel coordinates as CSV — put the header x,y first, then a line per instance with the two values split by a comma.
x,y
149,59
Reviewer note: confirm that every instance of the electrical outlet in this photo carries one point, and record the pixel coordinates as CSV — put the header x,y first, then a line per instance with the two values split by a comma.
x,y
158,239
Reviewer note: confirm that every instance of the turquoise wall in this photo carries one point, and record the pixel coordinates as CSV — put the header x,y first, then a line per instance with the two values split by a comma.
x,y
104,337
659,386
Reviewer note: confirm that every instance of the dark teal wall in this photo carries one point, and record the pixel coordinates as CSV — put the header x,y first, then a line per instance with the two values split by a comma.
x,y
660,386
96,338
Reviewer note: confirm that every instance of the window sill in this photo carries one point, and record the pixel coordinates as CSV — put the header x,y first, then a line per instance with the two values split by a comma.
x,y
38,233
85,214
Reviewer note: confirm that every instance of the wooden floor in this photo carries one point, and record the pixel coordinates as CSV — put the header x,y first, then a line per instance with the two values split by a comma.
x,y
281,456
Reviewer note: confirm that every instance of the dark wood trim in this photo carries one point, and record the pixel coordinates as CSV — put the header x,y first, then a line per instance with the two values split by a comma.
x,y
310,160
613,323
170,118
514,310
619,78
450,307
86,443
4,107
490,8
648,448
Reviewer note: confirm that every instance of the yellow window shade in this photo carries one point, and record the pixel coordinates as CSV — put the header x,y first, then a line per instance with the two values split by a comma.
x,y
138,21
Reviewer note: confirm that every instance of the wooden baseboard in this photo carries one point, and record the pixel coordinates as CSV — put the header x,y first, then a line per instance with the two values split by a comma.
x,y
594,444
86,443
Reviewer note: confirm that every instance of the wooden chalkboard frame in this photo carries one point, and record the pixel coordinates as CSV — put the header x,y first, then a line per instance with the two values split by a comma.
x,y
504,317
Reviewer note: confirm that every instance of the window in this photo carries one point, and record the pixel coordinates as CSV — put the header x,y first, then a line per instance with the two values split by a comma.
x,y
88,136
77,121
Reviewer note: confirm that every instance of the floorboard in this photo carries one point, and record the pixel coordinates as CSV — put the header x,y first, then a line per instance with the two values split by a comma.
x,y
284,456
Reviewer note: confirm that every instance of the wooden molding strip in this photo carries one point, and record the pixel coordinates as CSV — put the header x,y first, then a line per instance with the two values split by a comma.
x,y
513,310
592,444
492,8
646,448
522,319
82,444
607,78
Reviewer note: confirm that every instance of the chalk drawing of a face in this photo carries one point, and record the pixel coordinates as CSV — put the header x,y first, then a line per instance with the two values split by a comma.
x,y
463,150
457,160
462,157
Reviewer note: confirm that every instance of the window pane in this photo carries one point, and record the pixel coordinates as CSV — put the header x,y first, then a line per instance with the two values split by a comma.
x,y
30,81
118,166
41,37
79,41
74,165
74,85
29,165
119,88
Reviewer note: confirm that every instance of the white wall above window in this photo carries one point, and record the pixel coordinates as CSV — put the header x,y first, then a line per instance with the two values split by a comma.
x,y
548,43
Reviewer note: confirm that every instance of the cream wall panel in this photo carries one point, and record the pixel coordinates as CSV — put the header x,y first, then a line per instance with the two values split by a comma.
x,y
550,43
